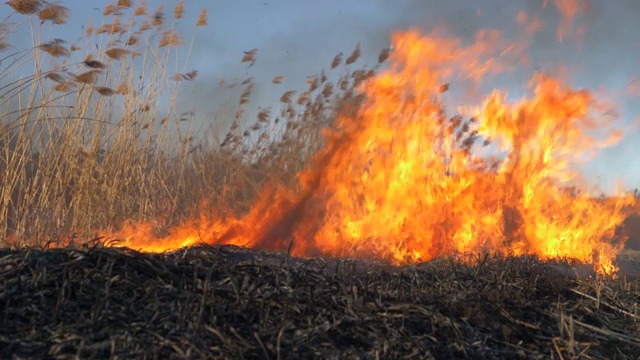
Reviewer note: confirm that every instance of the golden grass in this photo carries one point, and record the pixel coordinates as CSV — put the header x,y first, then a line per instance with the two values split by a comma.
x,y
202,18
116,53
55,48
178,11
83,146
170,38
55,13
25,7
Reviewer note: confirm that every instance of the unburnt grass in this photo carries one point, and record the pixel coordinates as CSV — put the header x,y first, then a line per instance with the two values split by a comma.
x,y
229,302
94,136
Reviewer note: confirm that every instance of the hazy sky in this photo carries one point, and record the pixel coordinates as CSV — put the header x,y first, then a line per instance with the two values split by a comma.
x,y
298,38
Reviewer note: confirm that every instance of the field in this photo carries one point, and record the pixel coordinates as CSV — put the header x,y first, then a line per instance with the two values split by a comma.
x,y
356,218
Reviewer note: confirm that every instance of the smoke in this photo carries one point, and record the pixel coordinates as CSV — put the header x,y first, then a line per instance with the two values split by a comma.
x,y
311,39
598,50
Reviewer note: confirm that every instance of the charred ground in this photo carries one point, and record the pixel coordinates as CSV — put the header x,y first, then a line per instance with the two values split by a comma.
x,y
228,302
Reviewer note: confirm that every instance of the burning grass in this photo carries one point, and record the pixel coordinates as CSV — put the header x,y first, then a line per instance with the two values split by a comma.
x,y
400,180
229,302
364,163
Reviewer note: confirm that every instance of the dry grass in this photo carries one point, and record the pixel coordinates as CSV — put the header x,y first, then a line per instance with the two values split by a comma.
x,y
25,7
83,145
55,13
202,18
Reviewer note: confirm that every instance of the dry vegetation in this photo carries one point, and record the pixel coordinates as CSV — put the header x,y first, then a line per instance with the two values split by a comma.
x,y
84,146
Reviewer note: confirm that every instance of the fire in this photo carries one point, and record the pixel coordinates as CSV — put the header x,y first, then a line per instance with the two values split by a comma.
x,y
568,11
403,182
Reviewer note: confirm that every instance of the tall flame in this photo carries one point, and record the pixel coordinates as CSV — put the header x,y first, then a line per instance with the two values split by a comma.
x,y
401,181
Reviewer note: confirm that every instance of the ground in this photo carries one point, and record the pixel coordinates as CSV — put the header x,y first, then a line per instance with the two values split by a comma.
x,y
228,302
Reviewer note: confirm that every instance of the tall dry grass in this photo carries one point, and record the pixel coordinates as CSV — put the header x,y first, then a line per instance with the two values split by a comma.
x,y
84,145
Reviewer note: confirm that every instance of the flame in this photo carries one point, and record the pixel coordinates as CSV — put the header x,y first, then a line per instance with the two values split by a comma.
x,y
403,182
568,11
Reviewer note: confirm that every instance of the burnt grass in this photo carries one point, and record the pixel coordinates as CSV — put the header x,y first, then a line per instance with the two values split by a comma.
x,y
228,302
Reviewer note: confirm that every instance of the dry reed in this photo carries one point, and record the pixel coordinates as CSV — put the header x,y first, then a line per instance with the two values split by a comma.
x,y
55,13
202,18
55,48
25,7
116,53
70,162
178,10
170,38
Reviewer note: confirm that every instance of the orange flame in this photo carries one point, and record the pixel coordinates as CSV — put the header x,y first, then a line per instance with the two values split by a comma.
x,y
568,11
403,182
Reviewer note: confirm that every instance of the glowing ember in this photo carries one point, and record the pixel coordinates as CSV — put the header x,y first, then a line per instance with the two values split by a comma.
x,y
403,182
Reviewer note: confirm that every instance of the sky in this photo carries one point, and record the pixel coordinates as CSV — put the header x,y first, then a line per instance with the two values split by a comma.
x,y
299,38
